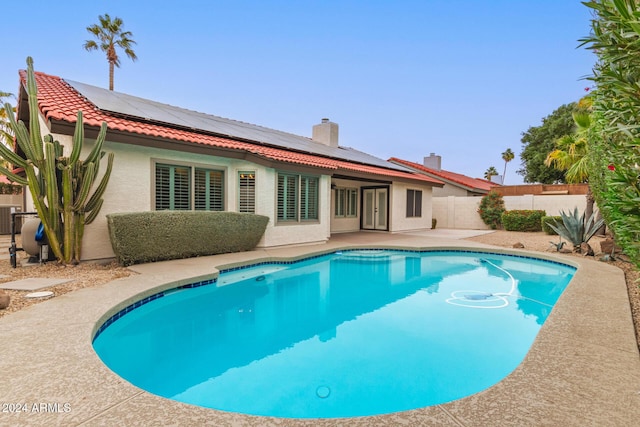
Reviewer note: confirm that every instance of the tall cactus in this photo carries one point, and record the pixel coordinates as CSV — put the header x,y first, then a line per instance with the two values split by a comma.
x,y
60,185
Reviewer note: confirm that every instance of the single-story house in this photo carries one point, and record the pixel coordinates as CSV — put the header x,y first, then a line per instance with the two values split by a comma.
x,y
172,158
455,184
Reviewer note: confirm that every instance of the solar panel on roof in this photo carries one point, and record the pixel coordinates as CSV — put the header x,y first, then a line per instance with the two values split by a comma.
x,y
141,108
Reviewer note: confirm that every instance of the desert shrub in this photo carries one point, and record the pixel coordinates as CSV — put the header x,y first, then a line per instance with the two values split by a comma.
x,y
491,209
576,228
522,220
553,220
141,237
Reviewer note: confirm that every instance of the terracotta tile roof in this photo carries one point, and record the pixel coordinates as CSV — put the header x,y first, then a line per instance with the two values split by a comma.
x,y
457,178
59,101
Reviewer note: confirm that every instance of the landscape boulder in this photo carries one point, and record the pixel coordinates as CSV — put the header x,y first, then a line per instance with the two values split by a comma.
x,y
586,250
4,300
607,246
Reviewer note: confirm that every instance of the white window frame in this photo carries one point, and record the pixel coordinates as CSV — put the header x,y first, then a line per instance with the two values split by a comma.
x,y
345,202
300,201
191,184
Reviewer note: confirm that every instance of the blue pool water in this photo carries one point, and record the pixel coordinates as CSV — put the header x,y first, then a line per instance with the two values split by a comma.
x,y
348,334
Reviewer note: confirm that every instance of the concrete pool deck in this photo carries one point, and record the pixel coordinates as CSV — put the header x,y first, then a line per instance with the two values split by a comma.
x,y
583,368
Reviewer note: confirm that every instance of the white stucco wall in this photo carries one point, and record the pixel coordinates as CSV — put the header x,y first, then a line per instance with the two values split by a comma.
x,y
130,189
342,225
398,220
294,233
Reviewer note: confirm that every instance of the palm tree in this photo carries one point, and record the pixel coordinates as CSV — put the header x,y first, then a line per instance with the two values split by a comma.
x,y
110,35
491,172
571,154
507,156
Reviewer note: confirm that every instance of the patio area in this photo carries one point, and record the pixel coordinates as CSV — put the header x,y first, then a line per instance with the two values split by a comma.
x,y
583,368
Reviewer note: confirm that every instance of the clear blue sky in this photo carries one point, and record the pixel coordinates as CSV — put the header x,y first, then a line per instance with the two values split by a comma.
x,y
460,78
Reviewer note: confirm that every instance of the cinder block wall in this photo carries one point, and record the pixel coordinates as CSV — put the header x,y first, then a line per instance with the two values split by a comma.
x,y
462,212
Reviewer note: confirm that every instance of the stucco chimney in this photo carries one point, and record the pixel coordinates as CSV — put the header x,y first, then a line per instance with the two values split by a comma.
x,y
326,133
433,162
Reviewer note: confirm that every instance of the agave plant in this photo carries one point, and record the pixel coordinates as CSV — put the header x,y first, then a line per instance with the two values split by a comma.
x,y
574,228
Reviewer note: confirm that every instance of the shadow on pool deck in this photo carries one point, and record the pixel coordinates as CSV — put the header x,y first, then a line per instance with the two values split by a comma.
x,y
583,368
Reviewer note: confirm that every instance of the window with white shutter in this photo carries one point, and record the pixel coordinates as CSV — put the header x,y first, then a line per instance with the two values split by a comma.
x,y
346,202
308,198
172,187
185,188
209,190
297,198
287,197
247,193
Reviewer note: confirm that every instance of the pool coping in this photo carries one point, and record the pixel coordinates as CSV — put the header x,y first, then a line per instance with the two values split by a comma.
x,y
582,369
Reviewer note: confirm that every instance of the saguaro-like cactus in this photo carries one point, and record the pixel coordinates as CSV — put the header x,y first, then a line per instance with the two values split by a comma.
x,y
60,185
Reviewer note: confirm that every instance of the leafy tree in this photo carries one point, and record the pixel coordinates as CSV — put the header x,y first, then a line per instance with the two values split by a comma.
x,y
110,35
614,137
539,141
490,172
507,156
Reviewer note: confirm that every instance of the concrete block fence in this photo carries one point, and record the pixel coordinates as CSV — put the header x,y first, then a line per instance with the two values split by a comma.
x,y
462,212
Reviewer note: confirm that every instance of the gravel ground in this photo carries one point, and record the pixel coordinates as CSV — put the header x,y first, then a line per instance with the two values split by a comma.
x,y
83,276
87,274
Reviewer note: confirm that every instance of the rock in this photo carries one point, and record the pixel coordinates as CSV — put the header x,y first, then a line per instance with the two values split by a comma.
x,y
558,246
4,300
565,251
518,245
607,246
585,249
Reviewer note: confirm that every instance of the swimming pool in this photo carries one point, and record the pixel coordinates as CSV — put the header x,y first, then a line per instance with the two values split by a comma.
x,y
346,334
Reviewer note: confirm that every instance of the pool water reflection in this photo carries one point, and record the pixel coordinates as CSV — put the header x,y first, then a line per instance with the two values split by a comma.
x,y
347,334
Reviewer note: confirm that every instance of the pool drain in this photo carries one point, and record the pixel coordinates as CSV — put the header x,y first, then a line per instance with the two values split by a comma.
x,y
323,392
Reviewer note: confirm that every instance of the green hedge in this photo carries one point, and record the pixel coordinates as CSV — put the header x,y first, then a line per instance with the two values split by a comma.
x,y
6,188
550,219
142,237
522,220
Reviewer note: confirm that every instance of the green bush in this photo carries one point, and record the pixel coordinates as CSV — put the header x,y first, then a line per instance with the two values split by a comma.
x,y
523,220
6,188
553,220
434,222
613,156
142,237
491,209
